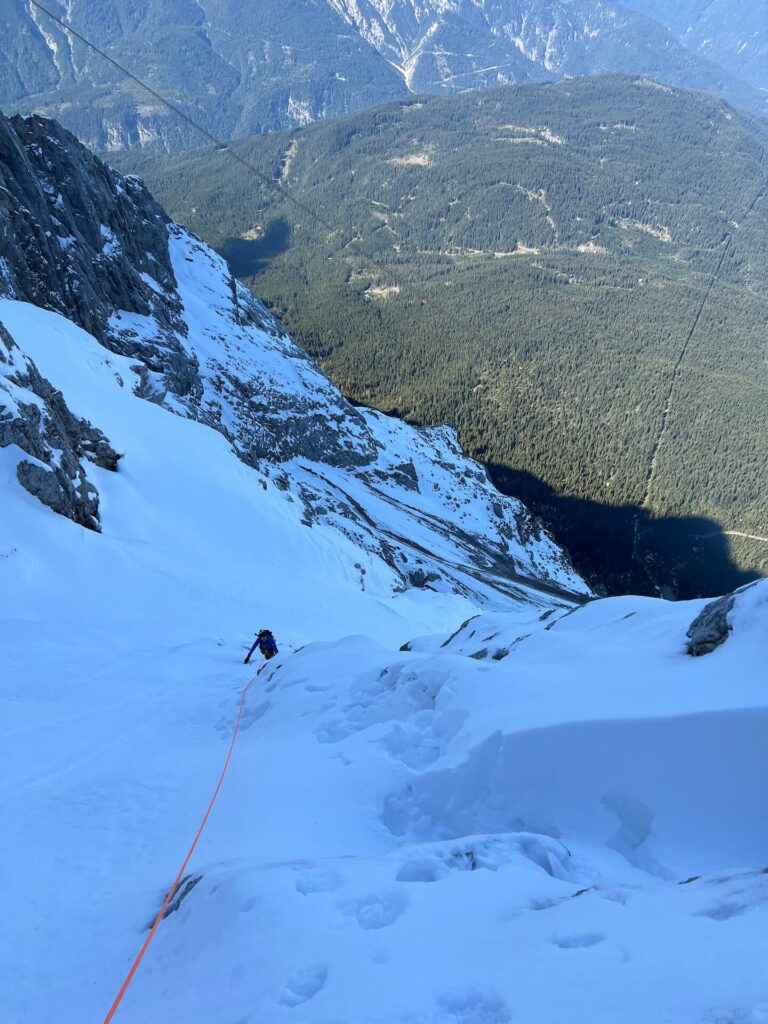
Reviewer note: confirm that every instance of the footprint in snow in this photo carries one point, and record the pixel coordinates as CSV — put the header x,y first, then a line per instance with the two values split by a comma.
x,y
378,910
471,1006
724,911
254,714
304,984
422,869
579,940
318,880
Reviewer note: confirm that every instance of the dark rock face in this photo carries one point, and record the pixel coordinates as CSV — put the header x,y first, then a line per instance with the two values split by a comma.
x,y
56,441
421,579
74,235
79,238
404,475
711,627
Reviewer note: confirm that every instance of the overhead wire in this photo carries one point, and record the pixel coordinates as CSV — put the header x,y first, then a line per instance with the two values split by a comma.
x,y
225,147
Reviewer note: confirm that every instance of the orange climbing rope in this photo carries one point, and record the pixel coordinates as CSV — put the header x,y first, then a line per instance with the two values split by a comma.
x,y
182,869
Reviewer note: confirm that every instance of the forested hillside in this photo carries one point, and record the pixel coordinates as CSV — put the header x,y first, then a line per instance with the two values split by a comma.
x,y
594,260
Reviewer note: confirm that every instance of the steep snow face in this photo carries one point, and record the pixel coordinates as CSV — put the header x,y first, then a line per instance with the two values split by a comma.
x,y
122,648
408,494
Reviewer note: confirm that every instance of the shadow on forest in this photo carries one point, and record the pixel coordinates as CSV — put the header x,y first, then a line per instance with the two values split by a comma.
x,y
249,256
679,558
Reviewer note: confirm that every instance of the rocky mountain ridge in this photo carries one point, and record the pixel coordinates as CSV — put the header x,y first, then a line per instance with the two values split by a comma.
x,y
269,66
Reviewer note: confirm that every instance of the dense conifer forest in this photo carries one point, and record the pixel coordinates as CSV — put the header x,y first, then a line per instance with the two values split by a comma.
x,y
574,275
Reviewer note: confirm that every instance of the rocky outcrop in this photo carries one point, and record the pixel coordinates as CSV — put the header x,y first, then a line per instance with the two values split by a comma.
x,y
74,235
53,445
80,238
711,627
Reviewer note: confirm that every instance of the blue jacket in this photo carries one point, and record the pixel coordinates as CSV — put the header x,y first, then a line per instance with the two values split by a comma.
x,y
266,645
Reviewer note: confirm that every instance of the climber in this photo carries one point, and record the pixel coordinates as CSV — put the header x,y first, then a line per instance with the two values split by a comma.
x,y
266,644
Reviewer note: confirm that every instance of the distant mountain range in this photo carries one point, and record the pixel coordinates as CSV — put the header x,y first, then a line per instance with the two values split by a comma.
x,y
258,67
734,33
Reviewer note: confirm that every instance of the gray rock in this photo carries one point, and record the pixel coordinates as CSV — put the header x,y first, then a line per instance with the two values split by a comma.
x,y
74,235
57,442
421,579
79,238
711,627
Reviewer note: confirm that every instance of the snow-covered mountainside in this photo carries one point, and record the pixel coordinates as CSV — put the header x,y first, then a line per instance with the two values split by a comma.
x,y
461,794
178,331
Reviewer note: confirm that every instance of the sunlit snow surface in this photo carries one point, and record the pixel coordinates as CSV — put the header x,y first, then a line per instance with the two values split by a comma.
x,y
553,815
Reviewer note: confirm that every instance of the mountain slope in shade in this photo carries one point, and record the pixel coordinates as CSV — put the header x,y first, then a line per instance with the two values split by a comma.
x,y
241,69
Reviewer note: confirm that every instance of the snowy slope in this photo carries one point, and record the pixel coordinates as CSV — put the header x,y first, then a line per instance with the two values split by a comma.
x,y
429,837
494,826
123,649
